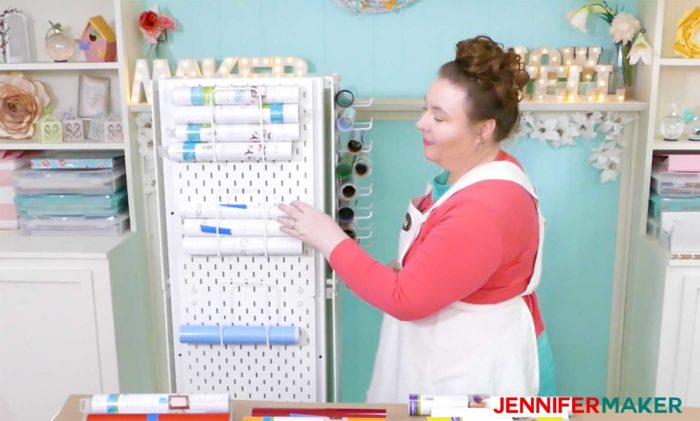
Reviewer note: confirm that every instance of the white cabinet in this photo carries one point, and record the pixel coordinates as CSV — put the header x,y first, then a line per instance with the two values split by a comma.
x,y
74,318
678,370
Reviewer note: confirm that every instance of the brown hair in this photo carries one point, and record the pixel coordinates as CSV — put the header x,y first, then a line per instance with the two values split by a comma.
x,y
493,79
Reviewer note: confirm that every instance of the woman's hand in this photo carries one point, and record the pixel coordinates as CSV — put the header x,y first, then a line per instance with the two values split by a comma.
x,y
313,227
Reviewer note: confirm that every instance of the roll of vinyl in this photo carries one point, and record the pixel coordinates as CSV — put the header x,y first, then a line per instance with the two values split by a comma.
x,y
239,335
238,151
244,246
237,132
158,417
356,141
232,228
346,120
344,169
242,95
237,114
159,403
229,211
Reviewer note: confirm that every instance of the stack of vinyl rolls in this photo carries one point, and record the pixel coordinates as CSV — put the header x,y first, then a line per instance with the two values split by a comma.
x,y
235,123
157,407
235,229
353,164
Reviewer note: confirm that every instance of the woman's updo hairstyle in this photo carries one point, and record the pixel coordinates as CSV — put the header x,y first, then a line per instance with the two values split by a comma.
x,y
493,79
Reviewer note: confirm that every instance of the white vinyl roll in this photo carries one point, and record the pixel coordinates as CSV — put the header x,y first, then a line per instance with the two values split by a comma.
x,y
236,132
158,403
229,211
244,246
234,95
237,114
237,151
232,228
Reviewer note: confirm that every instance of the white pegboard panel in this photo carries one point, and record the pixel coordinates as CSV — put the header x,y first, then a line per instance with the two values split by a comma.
x,y
250,290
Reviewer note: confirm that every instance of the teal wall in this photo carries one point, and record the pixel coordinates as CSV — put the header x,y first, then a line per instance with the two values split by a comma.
x,y
397,54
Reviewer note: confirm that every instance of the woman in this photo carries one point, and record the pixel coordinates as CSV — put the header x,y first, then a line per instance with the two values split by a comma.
x,y
461,315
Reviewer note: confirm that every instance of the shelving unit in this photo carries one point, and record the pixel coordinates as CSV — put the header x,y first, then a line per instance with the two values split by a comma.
x,y
89,294
657,357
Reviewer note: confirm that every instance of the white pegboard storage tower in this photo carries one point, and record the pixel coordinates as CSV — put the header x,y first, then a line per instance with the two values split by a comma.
x,y
222,289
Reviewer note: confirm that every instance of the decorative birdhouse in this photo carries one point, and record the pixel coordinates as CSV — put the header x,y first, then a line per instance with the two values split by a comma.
x,y
98,42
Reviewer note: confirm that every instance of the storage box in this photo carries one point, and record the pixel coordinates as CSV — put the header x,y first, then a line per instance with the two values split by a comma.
x,y
677,162
74,225
10,161
42,205
676,184
78,160
69,181
659,204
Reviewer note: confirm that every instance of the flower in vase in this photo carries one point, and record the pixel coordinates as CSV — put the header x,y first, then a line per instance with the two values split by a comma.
x,y
624,27
640,50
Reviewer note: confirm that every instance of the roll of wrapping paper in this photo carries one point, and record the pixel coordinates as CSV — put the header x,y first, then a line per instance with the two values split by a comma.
x,y
158,417
158,403
237,114
321,412
239,335
245,246
237,132
343,171
232,228
229,211
248,151
240,95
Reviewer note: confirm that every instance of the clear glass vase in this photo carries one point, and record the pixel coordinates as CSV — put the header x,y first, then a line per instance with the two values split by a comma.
x,y
621,75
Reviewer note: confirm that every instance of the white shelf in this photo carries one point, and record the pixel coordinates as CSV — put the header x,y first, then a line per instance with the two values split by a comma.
x,y
72,66
678,145
15,245
679,62
34,145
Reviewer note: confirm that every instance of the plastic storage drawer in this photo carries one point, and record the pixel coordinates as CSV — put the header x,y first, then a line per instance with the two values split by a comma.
x,y
658,204
74,225
92,205
676,184
69,181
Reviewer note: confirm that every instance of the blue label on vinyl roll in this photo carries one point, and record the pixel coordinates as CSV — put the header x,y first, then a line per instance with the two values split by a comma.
x,y
235,205
197,96
152,417
210,229
188,151
193,133
112,407
277,113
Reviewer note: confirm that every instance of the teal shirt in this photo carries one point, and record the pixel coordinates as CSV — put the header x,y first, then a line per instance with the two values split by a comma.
x,y
440,185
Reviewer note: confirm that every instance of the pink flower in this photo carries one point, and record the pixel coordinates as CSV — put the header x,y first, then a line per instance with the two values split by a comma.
x,y
166,22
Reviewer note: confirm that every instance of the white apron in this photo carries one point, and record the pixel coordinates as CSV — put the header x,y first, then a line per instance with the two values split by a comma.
x,y
463,348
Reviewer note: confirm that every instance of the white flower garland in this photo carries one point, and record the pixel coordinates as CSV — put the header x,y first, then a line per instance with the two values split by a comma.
x,y
144,137
562,129
373,6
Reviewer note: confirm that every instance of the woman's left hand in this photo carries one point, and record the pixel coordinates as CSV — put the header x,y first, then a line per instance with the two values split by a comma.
x,y
313,227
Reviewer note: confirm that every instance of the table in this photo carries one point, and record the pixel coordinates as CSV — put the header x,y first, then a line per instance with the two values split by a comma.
x,y
395,412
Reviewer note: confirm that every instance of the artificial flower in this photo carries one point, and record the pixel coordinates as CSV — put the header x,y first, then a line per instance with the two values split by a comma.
x,y
578,18
640,50
155,25
624,27
21,103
